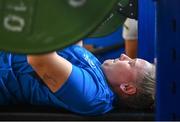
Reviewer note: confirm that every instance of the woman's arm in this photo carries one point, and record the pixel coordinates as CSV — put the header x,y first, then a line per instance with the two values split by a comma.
x,y
52,68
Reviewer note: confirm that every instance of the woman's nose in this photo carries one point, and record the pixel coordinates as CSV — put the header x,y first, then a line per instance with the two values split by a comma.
x,y
124,57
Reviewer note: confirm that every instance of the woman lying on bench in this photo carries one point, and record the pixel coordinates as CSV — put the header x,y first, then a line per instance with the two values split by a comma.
x,y
74,79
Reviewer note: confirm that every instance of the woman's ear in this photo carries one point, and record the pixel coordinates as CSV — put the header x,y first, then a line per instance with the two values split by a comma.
x,y
128,89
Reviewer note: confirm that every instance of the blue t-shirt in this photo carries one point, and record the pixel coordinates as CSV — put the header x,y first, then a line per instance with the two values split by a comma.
x,y
85,92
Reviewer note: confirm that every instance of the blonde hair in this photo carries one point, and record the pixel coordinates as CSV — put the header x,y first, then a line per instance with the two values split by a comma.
x,y
145,96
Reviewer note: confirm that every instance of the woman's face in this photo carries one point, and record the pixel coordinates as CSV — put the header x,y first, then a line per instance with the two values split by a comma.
x,y
123,69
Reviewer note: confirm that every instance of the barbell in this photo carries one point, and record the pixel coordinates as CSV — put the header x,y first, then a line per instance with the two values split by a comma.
x,y
39,26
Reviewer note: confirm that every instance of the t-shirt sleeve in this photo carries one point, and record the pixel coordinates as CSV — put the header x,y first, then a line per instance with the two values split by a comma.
x,y
80,93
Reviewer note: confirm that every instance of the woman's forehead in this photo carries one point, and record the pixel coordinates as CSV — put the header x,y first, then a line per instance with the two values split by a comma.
x,y
142,65
141,62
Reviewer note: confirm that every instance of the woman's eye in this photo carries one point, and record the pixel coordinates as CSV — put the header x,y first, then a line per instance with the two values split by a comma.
x,y
114,61
131,63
